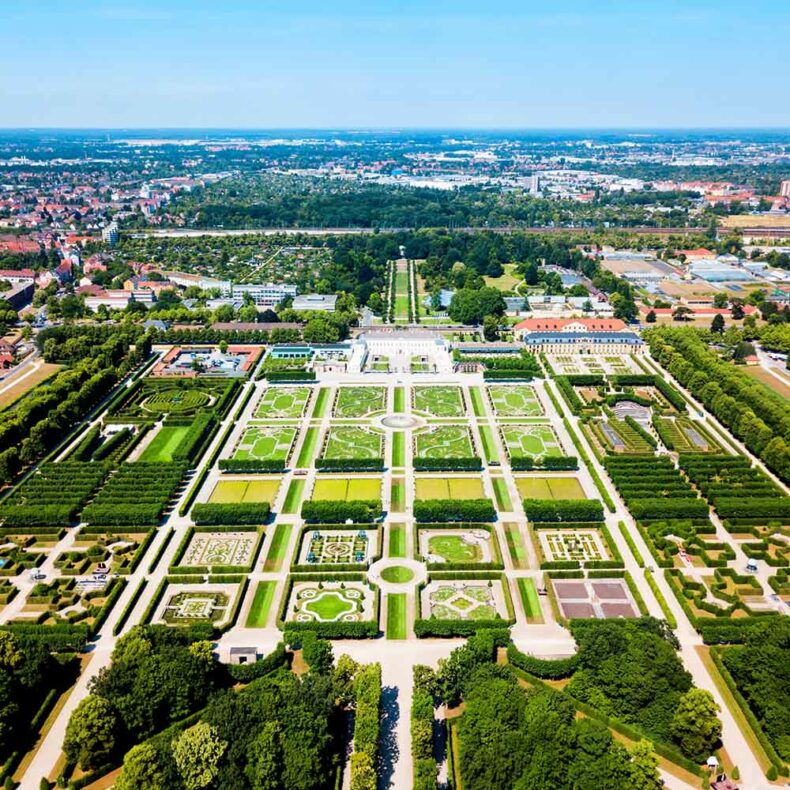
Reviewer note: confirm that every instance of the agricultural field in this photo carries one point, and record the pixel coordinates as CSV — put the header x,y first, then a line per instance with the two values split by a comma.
x,y
265,443
439,401
549,488
448,488
345,489
359,401
530,441
446,441
514,401
347,442
251,490
283,403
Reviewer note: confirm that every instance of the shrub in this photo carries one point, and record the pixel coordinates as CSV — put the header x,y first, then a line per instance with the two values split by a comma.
x,y
331,512
231,513
442,510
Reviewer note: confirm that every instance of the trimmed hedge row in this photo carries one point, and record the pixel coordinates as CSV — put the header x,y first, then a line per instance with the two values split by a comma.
x,y
443,510
251,465
557,669
332,512
231,513
469,463
349,464
367,691
558,510
550,462
426,770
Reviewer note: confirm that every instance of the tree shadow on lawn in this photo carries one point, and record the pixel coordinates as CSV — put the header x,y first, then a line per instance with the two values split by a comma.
x,y
388,744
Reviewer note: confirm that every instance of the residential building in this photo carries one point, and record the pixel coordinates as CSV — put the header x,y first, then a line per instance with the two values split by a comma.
x,y
264,294
118,299
784,189
110,234
20,277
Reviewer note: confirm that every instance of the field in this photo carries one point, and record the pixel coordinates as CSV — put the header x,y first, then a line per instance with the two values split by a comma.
x,y
397,540
294,496
514,401
347,488
308,448
531,441
352,442
446,441
254,490
549,488
399,449
516,546
166,440
259,443
16,387
500,492
448,488
398,495
283,402
439,401
359,401
760,374
530,600
277,548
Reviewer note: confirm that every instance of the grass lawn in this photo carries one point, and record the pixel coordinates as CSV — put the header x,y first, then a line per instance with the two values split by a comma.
x,y
265,443
277,548
500,492
402,295
448,488
489,448
515,546
348,441
549,488
399,449
397,540
446,441
532,441
439,401
514,401
283,402
261,604
294,496
164,443
397,574
398,495
344,489
477,402
321,402
453,548
330,605
308,448
530,600
400,400
231,491
396,616
23,385
359,401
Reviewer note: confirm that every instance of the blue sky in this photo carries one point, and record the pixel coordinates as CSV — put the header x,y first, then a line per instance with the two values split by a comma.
x,y
380,63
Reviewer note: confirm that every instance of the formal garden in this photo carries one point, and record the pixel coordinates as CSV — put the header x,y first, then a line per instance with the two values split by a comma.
x,y
448,488
337,546
355,402
449,546
549,488
352,443
330,602
231,491
581,545
192,606
530,441
443,442
467,599
346,489
283,402
438,401
514,400
265,443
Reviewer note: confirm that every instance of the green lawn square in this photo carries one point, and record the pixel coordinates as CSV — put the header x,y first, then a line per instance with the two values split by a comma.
x,y
514,401
533,441
349,441
439,401
445,441
359,401
265,443
283,402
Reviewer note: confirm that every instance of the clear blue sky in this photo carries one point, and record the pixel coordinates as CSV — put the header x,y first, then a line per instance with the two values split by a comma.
x,y
388,63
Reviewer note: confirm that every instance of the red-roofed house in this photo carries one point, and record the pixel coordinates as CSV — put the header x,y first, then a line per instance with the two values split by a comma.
x,y
699,254
578,335
21,277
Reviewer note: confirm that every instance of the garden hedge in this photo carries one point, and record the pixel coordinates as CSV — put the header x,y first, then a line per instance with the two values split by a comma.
x,y
335,512
231,513
443,510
